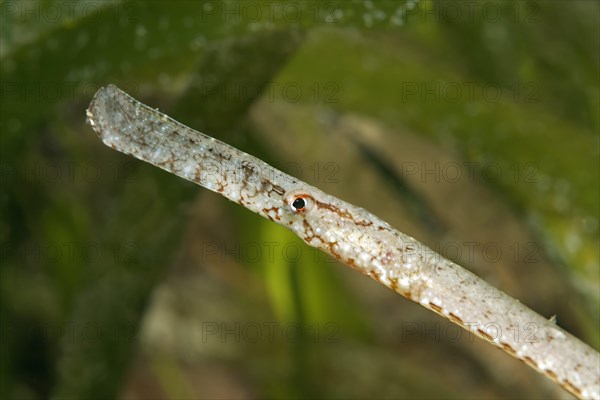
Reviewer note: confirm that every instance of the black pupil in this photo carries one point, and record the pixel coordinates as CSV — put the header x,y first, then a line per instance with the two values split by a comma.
x,y
299,203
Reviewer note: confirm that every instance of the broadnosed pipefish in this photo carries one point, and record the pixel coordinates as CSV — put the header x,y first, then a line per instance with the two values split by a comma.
x,y
349,233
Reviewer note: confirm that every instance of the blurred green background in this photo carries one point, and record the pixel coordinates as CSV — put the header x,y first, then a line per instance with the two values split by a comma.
x,y
472,126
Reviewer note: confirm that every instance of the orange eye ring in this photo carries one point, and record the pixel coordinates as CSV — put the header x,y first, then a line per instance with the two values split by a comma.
x,y
299,203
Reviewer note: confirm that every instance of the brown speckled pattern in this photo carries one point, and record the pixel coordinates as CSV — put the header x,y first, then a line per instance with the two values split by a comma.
x,y
351,234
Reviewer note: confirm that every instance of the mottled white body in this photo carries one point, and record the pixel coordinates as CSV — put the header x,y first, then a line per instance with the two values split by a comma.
x,y
351,234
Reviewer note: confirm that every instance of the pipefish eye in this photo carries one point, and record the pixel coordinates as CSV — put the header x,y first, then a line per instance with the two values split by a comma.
x,y
299,202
